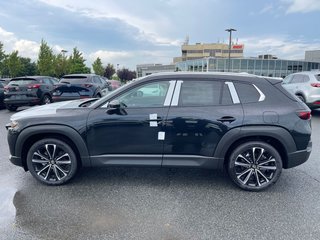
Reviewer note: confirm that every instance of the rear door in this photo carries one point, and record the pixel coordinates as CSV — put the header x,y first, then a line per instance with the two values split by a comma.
x,y
202,111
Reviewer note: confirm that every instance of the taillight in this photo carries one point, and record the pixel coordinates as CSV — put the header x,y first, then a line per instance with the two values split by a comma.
x,y
304,115
317,85
87,85
34,86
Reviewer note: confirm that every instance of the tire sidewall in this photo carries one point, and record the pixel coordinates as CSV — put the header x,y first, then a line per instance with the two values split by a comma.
x,y
249,145
65,147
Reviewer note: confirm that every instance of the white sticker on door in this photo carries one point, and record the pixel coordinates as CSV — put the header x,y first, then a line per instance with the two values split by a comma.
x,y
161,135
153,116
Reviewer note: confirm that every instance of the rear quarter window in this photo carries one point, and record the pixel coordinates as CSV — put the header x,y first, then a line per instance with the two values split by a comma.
x,y
317,77
247,93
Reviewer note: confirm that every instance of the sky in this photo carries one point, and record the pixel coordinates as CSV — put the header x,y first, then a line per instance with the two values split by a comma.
x,y
151,31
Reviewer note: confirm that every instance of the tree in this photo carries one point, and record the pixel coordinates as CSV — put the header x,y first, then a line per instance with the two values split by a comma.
x,y
45,63
14,64
109,71
61,65
126,75
97,67
76,61
28,68
2,58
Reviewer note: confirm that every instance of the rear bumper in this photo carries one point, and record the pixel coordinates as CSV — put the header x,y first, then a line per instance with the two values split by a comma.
x,y
299,157
22,101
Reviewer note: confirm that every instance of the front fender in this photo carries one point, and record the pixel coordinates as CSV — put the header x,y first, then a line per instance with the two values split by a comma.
x,y
66,131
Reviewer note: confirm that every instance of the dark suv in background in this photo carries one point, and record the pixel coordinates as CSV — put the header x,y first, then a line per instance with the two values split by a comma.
x,y
28,91
77,86
249,125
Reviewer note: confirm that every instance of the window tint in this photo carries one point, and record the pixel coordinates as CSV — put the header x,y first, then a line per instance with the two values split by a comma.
x,y
247,93
46,81
96,80
298,78
147,95
226,98
306,78
200,93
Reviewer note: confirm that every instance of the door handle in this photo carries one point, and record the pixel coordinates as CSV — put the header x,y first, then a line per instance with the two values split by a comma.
x,y
159,119
226,119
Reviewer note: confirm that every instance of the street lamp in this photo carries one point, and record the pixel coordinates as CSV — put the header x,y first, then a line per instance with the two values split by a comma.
x,y
230,30
63,52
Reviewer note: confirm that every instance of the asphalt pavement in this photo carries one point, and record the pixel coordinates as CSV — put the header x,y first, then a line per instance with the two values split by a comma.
x,y
155,203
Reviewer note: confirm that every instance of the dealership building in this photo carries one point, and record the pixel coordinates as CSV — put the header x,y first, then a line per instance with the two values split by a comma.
x,y
214,57
262,65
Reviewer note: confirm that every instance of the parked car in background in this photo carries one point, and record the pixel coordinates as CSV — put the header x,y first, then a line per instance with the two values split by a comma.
x,y
5,81
246,124
114,84
306,86
1,95
77,86
28,91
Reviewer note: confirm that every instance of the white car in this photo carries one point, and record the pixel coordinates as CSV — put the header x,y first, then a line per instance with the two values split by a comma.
x,y
306,86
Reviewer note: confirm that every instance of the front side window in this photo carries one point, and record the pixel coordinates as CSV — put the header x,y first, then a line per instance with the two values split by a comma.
x,y
297,78
147,95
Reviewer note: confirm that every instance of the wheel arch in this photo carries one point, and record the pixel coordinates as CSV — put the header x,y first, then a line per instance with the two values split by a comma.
x,y
277,137
67,134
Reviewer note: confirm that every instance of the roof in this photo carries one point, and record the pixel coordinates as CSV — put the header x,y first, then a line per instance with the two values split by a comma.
x,y
80,74
34,77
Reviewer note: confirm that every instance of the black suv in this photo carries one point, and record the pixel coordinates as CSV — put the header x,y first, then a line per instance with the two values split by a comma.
x,y
28,91
77,86
246,124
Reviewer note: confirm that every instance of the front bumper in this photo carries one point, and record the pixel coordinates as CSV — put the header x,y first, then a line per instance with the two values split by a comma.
x,y
299,157
16,160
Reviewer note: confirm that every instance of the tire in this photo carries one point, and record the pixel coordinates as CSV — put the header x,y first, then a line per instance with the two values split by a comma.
x,y
301,98
254,166
46,99
11,108
52,161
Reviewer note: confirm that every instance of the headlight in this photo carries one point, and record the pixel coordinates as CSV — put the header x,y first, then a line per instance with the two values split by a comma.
x,y
13,125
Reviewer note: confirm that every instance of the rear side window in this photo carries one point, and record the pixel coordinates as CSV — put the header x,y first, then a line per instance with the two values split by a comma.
x,y
247,93
298,78
22,81
200,93
317,77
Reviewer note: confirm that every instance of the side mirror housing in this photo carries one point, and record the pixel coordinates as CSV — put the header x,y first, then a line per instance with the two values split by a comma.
x,y
114,104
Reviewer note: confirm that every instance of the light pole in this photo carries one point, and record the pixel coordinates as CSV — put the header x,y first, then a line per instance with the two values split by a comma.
x,y
230,30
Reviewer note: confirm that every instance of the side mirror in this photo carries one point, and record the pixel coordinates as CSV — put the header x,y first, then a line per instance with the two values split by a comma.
x,y
114,104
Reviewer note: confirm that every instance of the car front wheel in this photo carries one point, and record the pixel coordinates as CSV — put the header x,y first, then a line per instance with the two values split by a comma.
x,y
52,161
254,166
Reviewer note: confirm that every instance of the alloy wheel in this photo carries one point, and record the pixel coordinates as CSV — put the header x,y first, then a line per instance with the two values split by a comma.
x,y
255,166
52,161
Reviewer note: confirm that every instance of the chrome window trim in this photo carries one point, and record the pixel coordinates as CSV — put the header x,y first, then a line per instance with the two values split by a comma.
x,y
233,92
262,96
176,95
168,99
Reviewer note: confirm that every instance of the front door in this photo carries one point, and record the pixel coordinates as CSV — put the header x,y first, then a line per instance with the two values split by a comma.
x,y
134,134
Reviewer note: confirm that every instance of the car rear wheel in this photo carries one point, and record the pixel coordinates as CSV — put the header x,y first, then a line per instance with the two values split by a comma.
x,y
46,100
301,98
52,161
11,108
254,166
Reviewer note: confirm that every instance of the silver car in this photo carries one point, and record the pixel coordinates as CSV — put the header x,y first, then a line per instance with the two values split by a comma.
x,y
306,86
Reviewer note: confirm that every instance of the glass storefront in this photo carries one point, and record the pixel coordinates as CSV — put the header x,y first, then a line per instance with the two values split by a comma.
x,y
264,67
